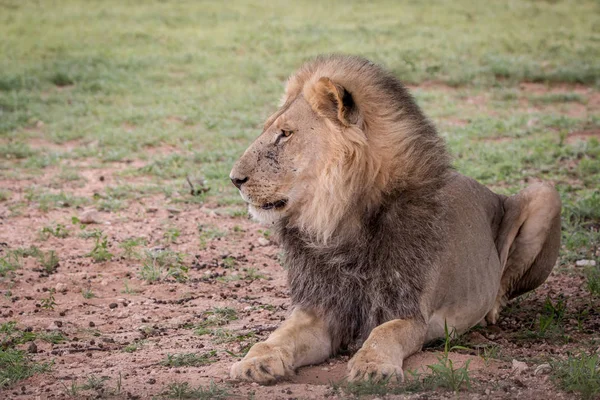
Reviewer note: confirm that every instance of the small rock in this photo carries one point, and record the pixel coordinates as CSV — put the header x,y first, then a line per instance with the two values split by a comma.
x,y
152,381
263,242
585,263
151,209
90,217
32,348
92,324
173,210
542,369
61,287
52,327
113,305
518,367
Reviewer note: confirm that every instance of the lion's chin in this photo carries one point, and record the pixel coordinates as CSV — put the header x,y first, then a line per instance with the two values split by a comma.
x,y
268,213
276,205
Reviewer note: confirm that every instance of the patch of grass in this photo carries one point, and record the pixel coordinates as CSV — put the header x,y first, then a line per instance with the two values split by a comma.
x,y
12,336
48,201
221,335
444,373
127,289
100,252
578,374
87,293
129,247
557,98
9,262
593,280
53,337
213,318
49,261
56,230
15,365
189,359
183,390
208,233
163,264
5,195
133,347
171,234
16,150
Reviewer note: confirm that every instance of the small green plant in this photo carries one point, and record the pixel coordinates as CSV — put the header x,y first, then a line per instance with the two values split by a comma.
x,y
580,374
133,347
53,337
49,261
163,264
593,280
129,247
48,303
100,251
95,383
9,262
183,390
72,390
189,359
87,293
213,318
172,234
444,373
489,353
127,289
208,233
58,230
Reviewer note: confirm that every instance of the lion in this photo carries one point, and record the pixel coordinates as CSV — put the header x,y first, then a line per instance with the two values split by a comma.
x,y
385,244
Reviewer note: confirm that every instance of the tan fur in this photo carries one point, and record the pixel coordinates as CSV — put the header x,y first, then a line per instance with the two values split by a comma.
x,y
357,186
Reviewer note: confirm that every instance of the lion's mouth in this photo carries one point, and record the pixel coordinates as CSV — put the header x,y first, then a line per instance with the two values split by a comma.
x,y
275,205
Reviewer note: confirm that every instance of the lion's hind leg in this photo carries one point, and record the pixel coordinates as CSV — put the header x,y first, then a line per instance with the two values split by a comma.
x,y
528,242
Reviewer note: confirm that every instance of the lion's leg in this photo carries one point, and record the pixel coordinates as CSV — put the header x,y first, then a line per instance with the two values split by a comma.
x,y
528,242
303,339
383,353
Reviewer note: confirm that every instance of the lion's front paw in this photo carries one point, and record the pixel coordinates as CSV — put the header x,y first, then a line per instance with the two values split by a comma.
x,y
263,364
369,366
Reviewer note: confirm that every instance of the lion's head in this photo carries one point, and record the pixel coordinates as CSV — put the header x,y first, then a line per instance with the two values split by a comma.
x,y
347,135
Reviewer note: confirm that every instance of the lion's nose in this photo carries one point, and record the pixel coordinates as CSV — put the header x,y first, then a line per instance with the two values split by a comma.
x,y
238,182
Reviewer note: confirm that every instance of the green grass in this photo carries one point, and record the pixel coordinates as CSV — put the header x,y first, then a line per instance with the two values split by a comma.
x,y
15,366
183,390
163,264
189,359
579,374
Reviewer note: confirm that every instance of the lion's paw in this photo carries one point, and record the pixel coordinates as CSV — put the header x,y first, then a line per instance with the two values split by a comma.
x,y
263,364
363,367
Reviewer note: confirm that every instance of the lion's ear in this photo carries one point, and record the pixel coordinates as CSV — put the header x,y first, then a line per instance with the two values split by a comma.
x,y
333,101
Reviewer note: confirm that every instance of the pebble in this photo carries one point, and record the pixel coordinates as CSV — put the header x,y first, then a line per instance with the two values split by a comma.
x,y
263,242
173,210
92,324
52,327
61,287
585,263
518,367
542,369
113,305
32,348
90,217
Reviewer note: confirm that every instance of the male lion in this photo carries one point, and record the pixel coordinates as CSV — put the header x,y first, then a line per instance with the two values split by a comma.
x,y
384,241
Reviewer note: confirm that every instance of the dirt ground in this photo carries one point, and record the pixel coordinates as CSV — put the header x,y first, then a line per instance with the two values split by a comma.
x,y
124,335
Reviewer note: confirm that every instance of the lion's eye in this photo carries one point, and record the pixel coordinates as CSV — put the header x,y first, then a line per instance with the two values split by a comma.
x,y
286,133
